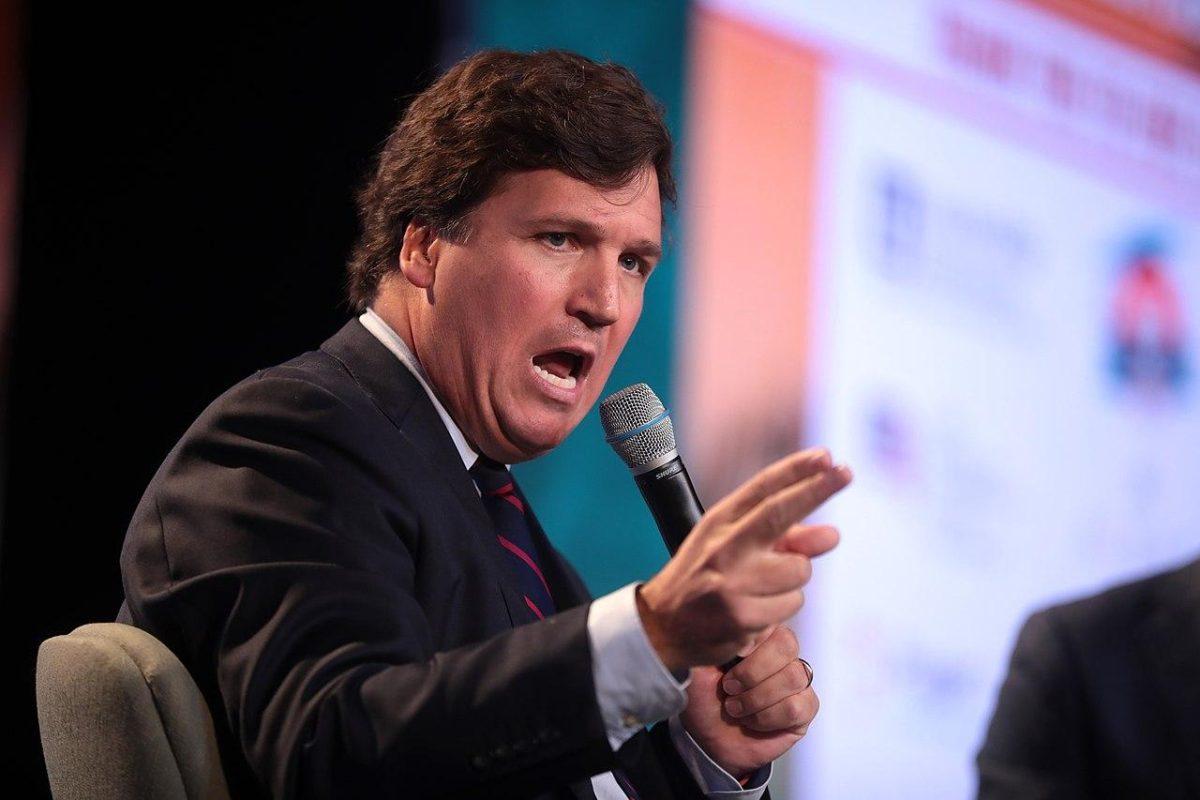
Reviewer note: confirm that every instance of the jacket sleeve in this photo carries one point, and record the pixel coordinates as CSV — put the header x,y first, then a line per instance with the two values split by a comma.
x,y
271,554
1035,743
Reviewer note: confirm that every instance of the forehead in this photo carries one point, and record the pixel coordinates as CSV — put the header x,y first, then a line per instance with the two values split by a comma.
x,y
546,193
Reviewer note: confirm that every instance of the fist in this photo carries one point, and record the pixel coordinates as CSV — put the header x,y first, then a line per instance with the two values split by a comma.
x,y
754,713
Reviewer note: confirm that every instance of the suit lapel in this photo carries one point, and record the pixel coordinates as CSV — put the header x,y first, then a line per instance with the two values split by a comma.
x,y
1170,640
402,399
399,395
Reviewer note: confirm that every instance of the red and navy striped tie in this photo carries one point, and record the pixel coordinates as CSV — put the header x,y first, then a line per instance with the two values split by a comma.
x,y
504,506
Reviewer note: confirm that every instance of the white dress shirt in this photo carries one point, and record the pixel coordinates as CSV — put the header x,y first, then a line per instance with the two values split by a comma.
x,y
633,686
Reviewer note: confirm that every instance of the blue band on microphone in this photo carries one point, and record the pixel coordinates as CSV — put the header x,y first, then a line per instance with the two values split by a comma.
x,y
620,437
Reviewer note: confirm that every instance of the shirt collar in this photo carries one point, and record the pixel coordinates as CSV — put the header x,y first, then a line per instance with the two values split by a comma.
x,y
392,341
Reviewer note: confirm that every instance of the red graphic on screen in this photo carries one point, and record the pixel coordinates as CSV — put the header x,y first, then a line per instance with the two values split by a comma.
x,y
1148,323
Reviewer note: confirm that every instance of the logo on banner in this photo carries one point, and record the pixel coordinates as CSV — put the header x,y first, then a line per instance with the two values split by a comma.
x,y
903,221
1148,322
890,441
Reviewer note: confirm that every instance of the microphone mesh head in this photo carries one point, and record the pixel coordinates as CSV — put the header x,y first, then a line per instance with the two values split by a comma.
x,y
637,425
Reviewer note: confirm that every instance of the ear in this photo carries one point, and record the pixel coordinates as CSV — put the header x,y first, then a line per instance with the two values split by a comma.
x,y
418,254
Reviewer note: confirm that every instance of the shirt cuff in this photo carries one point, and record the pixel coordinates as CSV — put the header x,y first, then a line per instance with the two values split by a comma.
x,y
712,779
633,686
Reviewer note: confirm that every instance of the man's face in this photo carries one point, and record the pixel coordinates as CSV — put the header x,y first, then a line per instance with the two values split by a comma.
x,y
524,321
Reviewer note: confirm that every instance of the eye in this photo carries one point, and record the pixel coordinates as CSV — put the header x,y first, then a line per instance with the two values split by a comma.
x,y
632,263
556,239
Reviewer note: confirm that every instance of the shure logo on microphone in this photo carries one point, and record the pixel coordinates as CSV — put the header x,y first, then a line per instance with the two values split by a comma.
x,y
670,469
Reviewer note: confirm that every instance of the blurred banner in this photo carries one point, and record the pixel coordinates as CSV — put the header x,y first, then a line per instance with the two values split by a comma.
x,y
960,244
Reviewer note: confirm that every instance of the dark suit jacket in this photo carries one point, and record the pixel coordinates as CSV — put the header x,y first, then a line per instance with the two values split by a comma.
x,y
1102,698
315,553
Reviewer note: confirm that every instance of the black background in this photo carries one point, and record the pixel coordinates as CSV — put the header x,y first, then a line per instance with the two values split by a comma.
x,y
187,209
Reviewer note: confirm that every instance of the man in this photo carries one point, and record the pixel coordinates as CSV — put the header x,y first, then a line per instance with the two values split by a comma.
x,y
1102,698
336,550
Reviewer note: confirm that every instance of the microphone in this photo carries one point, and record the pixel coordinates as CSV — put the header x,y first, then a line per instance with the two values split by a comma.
x,y
639,428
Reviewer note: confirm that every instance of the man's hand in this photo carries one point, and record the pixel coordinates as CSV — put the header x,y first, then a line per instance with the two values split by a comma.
x,y
742,568
748,717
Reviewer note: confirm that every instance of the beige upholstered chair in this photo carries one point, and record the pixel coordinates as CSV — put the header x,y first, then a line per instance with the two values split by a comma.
x,y
121,717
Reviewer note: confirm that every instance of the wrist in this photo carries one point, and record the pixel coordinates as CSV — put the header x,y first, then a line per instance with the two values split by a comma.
x,y
656,634
709,759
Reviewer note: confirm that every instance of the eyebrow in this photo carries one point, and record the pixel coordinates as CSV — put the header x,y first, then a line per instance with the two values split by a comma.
x,y
643,247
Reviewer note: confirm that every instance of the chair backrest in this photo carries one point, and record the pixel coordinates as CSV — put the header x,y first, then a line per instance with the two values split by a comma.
x,y
120,717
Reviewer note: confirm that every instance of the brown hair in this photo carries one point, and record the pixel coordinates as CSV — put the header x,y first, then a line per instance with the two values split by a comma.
x,y
493,114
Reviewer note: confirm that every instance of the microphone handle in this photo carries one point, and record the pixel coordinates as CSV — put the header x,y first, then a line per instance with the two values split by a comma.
x,y
672,499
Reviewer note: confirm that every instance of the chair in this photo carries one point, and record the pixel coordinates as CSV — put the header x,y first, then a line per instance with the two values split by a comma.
x,y
120,717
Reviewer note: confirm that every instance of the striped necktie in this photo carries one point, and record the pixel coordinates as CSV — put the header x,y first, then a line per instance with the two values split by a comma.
x,y
499,494
498,491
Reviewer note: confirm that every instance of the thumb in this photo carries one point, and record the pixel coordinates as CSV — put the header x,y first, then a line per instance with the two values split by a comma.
x,y
759,639
808,540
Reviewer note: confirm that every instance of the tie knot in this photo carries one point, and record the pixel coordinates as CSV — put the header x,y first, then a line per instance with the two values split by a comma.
x,y
491,477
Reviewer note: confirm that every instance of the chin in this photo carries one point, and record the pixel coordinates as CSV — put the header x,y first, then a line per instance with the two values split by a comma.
x,y
527,443
536,448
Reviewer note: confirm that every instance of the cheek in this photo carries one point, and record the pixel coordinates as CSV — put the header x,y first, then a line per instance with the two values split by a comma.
x,y
513,311
512,286
631,313
528,301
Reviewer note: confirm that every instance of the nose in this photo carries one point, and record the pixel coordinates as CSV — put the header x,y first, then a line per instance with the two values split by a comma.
x,y
595,294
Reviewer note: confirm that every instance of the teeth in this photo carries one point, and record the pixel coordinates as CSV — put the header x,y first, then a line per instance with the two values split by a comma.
x,y
562,383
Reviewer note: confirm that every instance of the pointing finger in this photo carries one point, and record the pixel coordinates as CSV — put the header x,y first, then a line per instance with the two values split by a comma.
x,y
775,515
784,472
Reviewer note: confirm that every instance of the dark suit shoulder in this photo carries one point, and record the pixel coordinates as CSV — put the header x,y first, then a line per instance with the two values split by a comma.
x,y
293,462
1054,640
1101,610
1078,714
352,368
1088,646
317,368
279,422
313,380
1101,625
310,401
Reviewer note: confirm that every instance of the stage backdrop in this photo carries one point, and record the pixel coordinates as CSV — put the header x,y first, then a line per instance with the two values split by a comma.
x,y
960,244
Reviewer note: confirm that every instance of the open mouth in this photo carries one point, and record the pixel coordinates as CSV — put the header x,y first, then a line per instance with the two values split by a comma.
x,y
562,368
